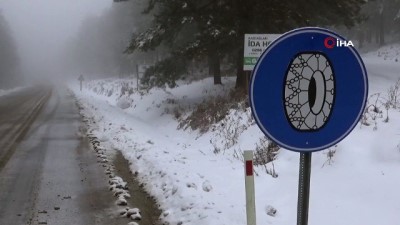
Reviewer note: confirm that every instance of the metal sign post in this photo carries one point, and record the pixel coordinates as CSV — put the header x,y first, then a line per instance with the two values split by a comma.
x,y
137,77
306,95
81,79
304,188
140,69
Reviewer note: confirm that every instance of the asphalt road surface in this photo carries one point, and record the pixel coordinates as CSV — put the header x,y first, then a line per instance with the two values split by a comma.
x,y
48,174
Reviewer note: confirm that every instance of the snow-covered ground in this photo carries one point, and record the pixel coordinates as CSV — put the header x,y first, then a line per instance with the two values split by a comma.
x,y
198,178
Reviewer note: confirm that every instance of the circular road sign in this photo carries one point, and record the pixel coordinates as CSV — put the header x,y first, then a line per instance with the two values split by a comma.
x,y
308,89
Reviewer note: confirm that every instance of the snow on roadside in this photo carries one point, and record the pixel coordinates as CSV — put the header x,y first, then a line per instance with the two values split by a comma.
x,y
162,158
193,185
383,67
389,52
9,91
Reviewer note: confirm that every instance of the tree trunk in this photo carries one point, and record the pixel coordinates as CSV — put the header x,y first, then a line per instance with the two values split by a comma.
x,y
376,29
360,34
209,62
217,70
240,74
381,30
369,36
214,63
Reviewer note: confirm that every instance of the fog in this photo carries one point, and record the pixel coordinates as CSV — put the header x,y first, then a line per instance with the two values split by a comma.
x,y
67,38
41,29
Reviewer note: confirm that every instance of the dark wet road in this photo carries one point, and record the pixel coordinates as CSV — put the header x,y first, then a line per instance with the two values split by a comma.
x,y
48,174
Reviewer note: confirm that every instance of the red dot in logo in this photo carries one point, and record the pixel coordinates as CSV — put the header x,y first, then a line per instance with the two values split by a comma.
x,y
330,42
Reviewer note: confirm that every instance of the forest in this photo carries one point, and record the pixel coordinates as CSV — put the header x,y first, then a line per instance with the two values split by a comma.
x,y
9,63
196,38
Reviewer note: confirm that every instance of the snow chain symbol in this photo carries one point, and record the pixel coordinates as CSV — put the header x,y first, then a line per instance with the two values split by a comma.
x,y
309,91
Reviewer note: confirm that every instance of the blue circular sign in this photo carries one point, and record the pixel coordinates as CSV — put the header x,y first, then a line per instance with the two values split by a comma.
x,y
308,89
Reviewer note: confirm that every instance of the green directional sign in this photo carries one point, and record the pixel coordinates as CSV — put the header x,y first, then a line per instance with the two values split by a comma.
x,y
250,60
254,46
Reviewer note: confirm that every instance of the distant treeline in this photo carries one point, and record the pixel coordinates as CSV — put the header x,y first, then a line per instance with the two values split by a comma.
x,y
176,36
9,60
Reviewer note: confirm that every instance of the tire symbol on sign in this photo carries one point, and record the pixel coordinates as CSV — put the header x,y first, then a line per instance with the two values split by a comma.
x,y
309,91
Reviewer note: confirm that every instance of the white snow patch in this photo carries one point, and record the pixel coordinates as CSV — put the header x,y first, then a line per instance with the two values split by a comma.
x,y
359,186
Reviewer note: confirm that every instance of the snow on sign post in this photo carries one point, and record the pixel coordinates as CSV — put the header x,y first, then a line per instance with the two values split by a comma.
x,y
307,92
254,46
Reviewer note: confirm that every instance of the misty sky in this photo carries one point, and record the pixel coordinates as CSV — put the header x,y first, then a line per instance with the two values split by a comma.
x,y
41,27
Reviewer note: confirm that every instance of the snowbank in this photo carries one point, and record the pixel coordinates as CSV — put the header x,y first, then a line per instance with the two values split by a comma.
x,y
198,178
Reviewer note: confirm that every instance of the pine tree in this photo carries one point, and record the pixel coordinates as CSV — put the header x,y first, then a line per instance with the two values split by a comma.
x,y
218,26
9,63
98,47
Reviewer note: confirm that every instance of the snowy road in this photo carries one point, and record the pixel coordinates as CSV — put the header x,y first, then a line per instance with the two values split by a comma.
x,y
47,173
381,74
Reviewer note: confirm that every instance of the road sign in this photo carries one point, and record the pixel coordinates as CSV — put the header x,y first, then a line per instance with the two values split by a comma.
x,y
306,93
81,78
254,46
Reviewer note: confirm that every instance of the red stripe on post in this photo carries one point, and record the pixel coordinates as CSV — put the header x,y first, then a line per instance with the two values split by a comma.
x,y
249,168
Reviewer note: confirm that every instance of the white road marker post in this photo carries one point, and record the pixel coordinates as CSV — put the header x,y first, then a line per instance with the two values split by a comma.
x,y
249,184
